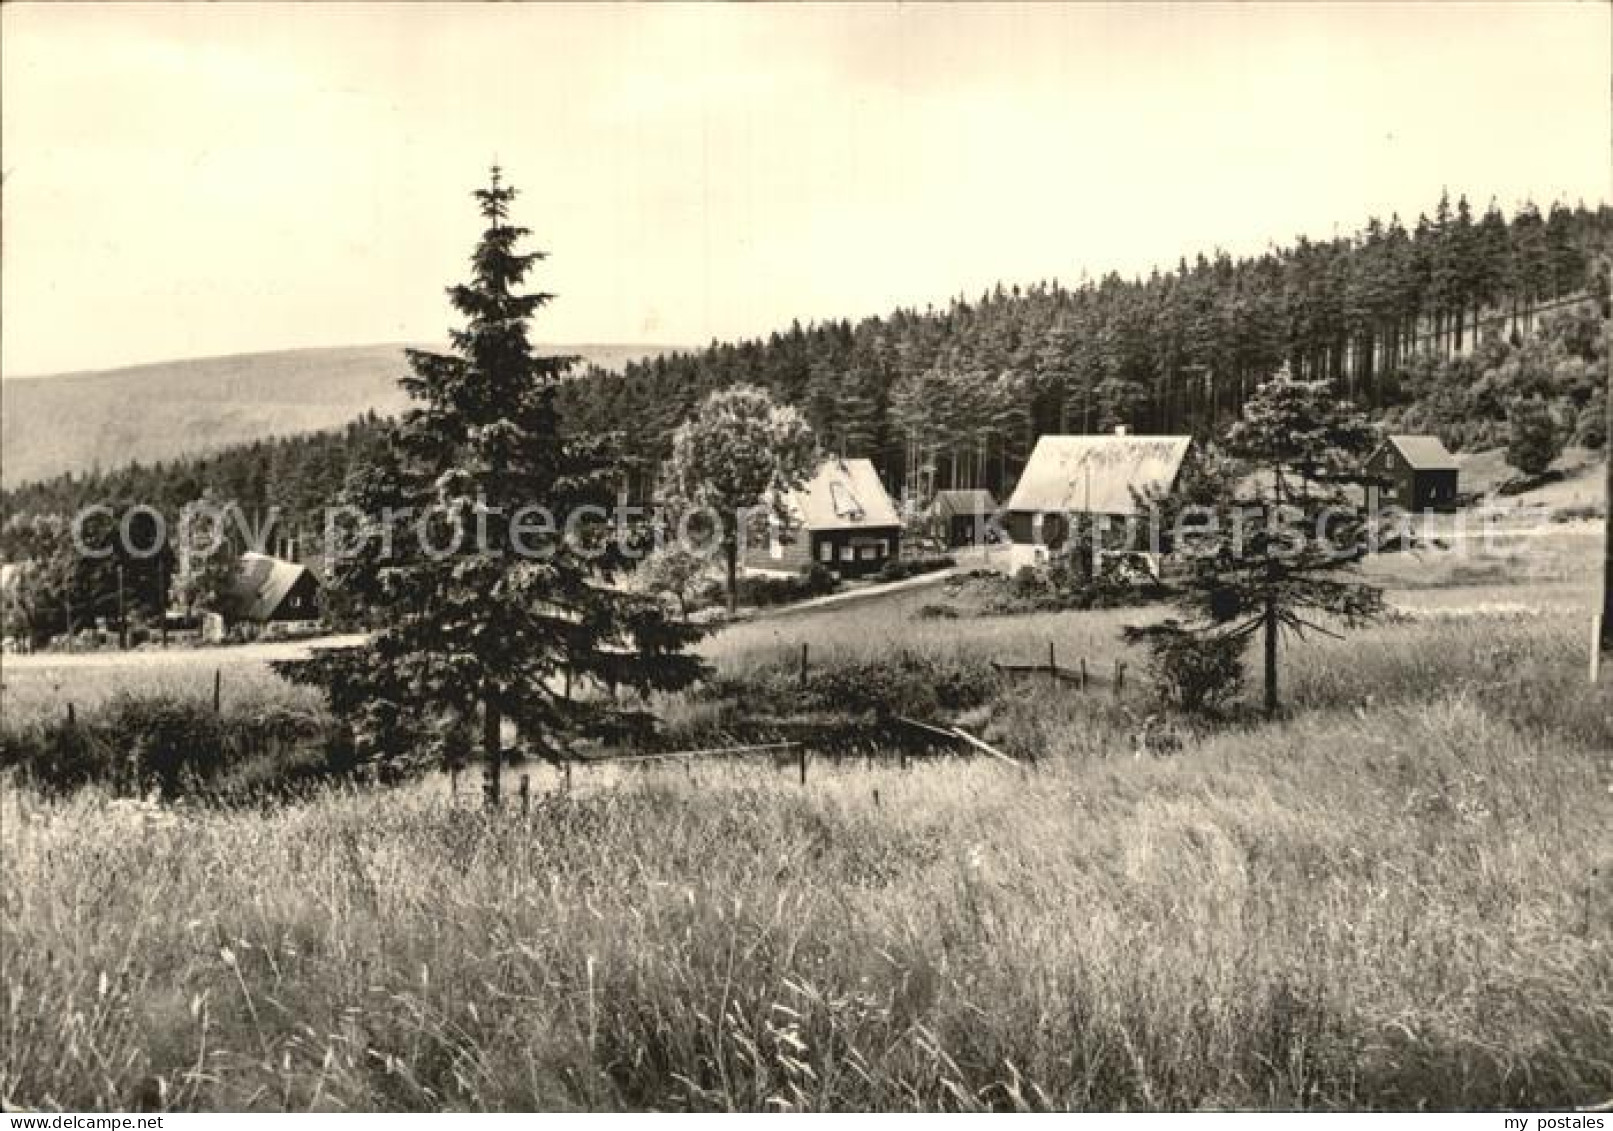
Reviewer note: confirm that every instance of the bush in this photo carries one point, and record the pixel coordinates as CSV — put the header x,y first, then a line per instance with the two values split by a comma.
x,y
680,573
1533,438
899,569
1061,586
936,612
136,744
1195,672
1577,512
921,686
1590,428
763,590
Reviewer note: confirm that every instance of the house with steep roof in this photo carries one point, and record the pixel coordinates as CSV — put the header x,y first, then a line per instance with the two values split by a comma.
x,y
1413,473
268,590
841,518
1096,475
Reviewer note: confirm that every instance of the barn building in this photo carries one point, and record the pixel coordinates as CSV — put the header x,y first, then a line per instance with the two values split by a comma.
x,y
267,591
959,518
1412,472
1096,475
841,518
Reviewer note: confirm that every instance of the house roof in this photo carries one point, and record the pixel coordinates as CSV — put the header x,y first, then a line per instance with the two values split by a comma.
x,y
1096,474
843,494
969,503
1424,453
261,584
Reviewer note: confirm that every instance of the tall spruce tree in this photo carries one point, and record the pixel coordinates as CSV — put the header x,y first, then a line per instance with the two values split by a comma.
x,y
486,609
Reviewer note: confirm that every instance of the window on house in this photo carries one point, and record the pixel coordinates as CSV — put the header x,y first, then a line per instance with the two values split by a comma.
x,y
848,553
867,553
884,547
826,551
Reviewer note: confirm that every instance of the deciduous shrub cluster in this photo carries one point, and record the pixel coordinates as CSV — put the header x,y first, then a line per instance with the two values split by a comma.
x,y
899,569
922,686
139,744
763,590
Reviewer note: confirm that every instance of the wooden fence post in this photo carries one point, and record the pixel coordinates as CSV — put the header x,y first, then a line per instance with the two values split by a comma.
x,y
803,665
803,759
1596,644
218,690
453,780
526,794
568,774
72,715
162,600
1052,663
1083,673
901,757
1120,676
123,615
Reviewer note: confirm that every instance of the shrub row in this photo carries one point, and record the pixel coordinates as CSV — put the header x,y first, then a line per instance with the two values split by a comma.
x,y
921,686
763,590
899,569
179,747
1057,587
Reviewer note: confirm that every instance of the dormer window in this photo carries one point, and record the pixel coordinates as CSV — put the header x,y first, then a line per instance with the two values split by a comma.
x,y
845,503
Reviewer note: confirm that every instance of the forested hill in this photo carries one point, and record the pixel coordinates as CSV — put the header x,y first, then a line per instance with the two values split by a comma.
x,y
75,422
957,396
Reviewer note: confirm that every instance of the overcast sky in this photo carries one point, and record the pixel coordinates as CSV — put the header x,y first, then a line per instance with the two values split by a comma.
x,y
199,179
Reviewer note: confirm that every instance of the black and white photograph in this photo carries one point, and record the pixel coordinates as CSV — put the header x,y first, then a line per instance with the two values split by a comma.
x,y
806,557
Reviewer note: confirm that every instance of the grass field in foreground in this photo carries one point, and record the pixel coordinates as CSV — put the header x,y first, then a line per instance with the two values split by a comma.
x,y
1399,898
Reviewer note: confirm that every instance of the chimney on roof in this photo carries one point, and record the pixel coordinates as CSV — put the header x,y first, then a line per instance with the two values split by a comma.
x,y
1120,429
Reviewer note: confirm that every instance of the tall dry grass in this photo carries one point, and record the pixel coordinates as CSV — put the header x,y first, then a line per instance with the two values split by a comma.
x,y
1400,897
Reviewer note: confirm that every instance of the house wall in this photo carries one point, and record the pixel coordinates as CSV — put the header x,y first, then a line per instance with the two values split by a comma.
x,y
1025,530
300,603
790,553
965,529
1020,527
1407,487
869,549
1435,489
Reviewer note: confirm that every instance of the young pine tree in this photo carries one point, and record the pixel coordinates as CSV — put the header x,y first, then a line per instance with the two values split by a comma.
x,y
486,608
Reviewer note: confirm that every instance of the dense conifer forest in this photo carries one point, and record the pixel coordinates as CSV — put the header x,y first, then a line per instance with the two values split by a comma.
x,y
956,397
1439,326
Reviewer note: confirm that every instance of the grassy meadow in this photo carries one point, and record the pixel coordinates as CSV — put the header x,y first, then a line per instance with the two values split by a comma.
x,y
1399,897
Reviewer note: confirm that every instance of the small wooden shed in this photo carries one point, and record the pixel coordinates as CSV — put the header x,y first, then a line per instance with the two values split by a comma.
x,y
1414,473
959,518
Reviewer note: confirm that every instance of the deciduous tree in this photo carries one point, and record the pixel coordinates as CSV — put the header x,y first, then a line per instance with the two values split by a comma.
x,y
738,452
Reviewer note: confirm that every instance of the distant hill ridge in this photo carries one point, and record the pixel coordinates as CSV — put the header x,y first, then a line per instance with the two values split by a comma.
x,y
144,413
